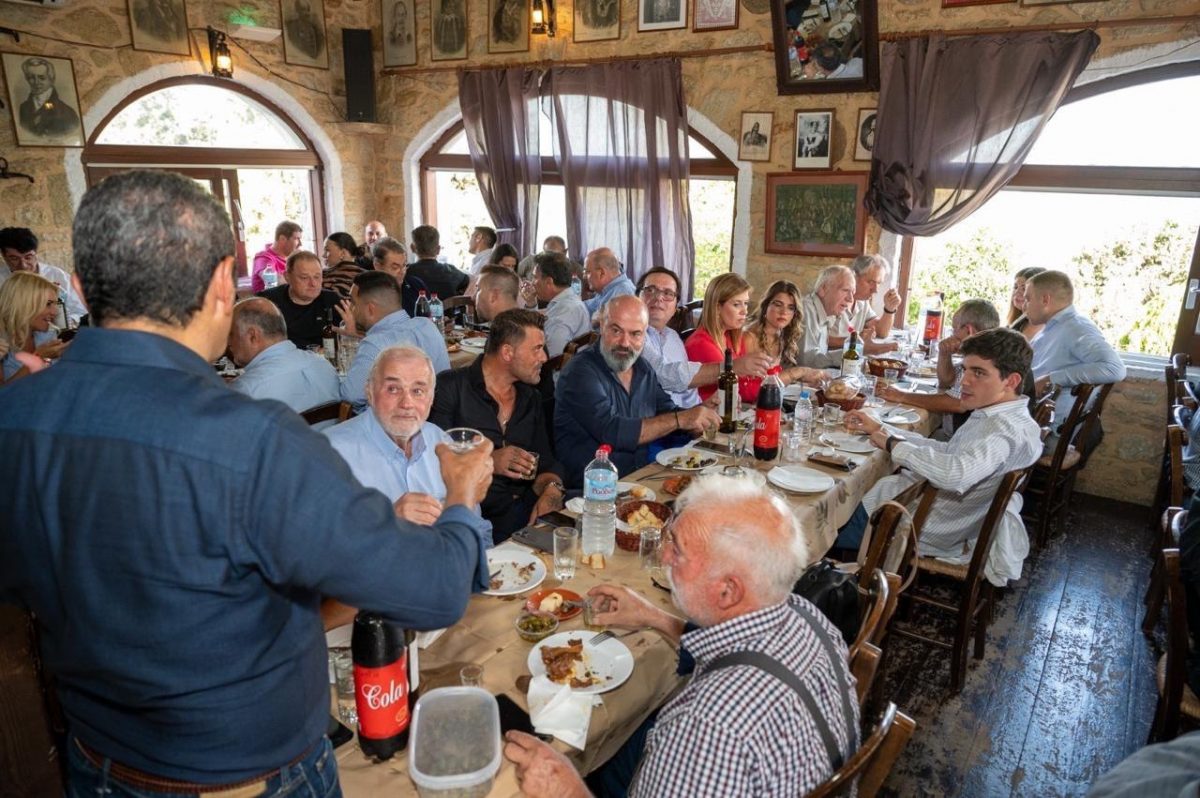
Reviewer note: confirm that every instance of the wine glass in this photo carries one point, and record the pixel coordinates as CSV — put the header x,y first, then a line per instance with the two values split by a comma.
x,y
463,439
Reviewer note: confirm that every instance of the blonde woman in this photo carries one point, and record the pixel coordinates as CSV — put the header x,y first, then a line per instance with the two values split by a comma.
x,y
28,305
779,333
726,305
1016,309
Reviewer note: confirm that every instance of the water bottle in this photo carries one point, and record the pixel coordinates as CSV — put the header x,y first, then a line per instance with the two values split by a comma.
x,y
600,504
270,277
577,286
422,308
61,318
803,418
437,312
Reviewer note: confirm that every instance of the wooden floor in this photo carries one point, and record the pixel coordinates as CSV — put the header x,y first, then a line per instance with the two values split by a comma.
x,y
1066,687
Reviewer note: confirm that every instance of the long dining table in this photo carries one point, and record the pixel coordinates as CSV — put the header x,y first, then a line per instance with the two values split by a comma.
x,y
486,634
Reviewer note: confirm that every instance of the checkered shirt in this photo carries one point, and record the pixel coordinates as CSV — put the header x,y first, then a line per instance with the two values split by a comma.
x,y
741,731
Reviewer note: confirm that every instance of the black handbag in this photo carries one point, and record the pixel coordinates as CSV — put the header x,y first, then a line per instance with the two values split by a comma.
x,y
835,593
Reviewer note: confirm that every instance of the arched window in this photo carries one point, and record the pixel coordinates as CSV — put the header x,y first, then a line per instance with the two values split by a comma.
x,y
238,145
450,199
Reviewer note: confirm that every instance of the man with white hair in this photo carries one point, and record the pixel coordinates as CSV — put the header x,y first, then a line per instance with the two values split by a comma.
x,y
833,295
604,276
274,367
870,271
770,708
608,394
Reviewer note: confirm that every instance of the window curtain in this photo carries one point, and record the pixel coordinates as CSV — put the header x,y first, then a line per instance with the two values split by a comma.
x,y
957,118
621,145
499,109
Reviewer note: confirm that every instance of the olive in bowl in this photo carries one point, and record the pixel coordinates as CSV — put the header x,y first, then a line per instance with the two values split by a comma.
x,y
534,626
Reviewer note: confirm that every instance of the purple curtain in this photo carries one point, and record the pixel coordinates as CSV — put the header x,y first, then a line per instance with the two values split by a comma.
x,y
958,116
500,117
621,146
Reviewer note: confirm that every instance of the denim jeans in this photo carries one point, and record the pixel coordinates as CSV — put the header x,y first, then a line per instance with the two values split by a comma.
x,y
314,776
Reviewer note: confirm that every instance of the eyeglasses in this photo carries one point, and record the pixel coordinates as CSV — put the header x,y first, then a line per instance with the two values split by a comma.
x,y
650,292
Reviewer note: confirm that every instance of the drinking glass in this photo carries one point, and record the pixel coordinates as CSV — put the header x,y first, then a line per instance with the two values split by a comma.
x,y
793,446
343,676
649,548
868,390
471,676
464,439
468,316
533,470
566,552
892,376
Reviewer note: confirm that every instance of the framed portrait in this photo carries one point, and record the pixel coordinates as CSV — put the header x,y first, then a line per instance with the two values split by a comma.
x,y
821,215
814,140
827,46
399,32
864,134
448,30
957,3
754,143
662,14
304,40
1054,2
597,20
44,99
159,26
508,26
714,15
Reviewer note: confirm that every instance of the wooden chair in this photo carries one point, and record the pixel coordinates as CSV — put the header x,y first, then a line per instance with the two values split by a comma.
x,y
1043,413
1173,376
873,761
863,666
1175,696
977,595
330,411
587,339
885,525
1168,538
1054,473
34,729
1088,439
875,615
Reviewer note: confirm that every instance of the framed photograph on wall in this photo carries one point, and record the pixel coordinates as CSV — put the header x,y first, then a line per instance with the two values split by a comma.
x,y
957,3
304,41
597,20
864,134
44,100
832,46
508,26
1054,2
159,26
661,14
448,30
399,32
754,143
814,139
821,215
714,15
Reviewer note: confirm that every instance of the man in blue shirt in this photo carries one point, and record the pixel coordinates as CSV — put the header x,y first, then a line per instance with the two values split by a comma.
x,y
174,538
608,394
604,276
275,368
375,303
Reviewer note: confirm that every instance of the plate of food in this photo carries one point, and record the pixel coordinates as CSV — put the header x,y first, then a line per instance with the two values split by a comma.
x,y
630,491
555,601
514,572
685,459
473,344
799,479
567,658
676,485
748,473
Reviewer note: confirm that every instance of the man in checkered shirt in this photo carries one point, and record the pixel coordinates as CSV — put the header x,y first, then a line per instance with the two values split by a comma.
x,y
734,551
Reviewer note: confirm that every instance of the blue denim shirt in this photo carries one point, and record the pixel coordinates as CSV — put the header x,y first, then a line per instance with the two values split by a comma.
x,y
620,286
298,378
592,407
174,539
393,329
379,463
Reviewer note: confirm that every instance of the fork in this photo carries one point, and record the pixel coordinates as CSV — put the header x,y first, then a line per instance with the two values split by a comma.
x,y
609,634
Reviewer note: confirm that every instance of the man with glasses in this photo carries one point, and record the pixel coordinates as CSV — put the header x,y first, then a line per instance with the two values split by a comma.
x,y
605,276
664,349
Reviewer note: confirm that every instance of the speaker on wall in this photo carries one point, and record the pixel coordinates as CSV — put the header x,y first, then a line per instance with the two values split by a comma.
x,y
359,60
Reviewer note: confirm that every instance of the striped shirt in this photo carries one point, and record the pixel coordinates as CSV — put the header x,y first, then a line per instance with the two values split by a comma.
x,y
741,731
340,278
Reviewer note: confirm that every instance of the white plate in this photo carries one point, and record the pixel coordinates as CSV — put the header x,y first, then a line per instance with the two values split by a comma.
x,y
612,660
474,344
799,479
667,457
625,487
508,562
855,444
748,472
896,415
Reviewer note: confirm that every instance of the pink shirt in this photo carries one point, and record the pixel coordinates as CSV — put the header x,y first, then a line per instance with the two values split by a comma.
x,y
268,257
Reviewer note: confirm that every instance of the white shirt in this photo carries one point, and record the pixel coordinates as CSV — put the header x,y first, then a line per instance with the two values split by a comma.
x,y
666,354
814,347
479,261
966,470
566,320
301,380
857,317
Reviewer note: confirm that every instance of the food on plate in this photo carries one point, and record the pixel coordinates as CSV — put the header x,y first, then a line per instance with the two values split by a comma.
x,y
888,363
566,665
841,389
452,348
522,573
692,459
643,517
676,485
534,626
551,603
636,492
594,560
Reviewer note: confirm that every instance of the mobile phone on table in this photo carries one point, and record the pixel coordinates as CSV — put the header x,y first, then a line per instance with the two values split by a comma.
x,y
556,519
512,717
338,732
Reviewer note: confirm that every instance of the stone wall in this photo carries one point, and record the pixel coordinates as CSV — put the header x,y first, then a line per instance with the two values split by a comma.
x,y
1126,465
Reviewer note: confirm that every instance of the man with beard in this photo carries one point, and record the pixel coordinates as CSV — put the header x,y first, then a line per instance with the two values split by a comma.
x,y
770,708
608,394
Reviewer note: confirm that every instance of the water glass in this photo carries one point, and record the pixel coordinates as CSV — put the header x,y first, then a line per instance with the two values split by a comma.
x,y
892,376
468,316
650,548
533,471
464,439
566,552
793,446
343,677
868,390
831,417
471,676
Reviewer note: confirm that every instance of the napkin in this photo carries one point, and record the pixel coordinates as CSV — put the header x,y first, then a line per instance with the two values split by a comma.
x,y
426,639
556,710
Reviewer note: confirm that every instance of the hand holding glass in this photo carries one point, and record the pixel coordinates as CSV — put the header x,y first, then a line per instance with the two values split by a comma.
x,y
464,439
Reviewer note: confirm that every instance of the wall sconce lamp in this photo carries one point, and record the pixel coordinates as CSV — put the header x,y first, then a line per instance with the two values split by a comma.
x,y
544,22
218,53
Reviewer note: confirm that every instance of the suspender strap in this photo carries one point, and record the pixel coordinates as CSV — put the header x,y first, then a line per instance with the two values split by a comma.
x,y
834,657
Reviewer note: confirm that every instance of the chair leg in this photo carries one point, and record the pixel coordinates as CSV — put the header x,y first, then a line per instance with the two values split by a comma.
x,y
1155,593
985,616
958,659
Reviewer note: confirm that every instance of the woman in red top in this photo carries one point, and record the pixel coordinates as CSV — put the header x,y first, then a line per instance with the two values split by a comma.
x,y
726,303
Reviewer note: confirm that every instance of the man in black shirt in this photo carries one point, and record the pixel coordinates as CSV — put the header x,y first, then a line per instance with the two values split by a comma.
x,y
305,306
496,395
442,278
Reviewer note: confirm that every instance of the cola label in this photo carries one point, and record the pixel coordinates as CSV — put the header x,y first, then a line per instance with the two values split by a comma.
x,y
933,326
381,696
766,429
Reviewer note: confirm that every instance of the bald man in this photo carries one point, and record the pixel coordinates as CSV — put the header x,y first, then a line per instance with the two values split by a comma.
x,y
275,368
605,277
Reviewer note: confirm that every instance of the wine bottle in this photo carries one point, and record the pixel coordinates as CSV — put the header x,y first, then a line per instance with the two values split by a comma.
x,y
728,383
851,360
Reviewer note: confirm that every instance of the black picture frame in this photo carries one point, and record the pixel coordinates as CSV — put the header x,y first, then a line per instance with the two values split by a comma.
x,y
848,26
